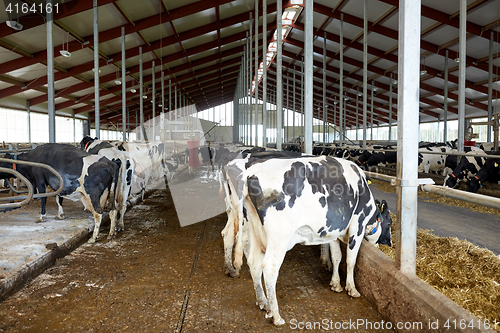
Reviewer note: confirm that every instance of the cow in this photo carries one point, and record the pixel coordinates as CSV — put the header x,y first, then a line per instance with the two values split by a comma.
x,y
88,178
228,182
150,163
489,172
126,165
307,200
380,158
433,162
468,166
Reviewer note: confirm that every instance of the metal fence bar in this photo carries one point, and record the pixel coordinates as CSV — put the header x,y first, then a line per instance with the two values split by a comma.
x,y
40,165
27,198
480,199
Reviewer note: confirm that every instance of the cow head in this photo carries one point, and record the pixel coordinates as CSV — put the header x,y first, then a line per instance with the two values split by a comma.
x,y
450,181
86,141
380,231
474,184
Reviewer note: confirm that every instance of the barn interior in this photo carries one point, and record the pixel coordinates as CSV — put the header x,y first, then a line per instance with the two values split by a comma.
x,y
174,71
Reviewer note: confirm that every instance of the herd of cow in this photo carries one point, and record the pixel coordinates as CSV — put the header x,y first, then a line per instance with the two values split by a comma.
x,y
98,174
274,199
471,168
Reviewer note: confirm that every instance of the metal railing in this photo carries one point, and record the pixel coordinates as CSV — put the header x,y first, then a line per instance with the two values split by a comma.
x,y
31,195
480,199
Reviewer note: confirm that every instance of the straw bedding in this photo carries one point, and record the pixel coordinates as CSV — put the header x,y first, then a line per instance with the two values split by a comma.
x,y
465,273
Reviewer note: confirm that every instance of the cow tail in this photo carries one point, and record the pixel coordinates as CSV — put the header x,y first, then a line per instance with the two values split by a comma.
x,y
238,247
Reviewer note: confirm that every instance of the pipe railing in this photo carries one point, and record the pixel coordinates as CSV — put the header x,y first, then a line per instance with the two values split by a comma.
x,y
35,196
26,200
425,184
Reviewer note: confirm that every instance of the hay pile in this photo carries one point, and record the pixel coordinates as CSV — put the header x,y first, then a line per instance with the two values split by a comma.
x,y
465,273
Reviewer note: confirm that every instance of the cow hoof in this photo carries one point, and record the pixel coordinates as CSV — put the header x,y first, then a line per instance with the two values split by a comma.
x,y
61,217
268,314
42,219
262,305
353,292
112,236
337,288
279,322
91,241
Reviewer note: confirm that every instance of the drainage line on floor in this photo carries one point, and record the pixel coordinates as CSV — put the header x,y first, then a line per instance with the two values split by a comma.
x,y
182,315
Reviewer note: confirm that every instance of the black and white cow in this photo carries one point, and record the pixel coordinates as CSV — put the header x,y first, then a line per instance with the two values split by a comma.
x,y
380,158
468,166
490,172
126,165
307,200
88,178
433,162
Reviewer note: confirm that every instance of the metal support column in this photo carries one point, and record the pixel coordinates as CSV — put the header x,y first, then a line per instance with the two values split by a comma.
x,y
357,114
28,110
153,118
74,125
250,80
371,111
407,147
324,85
308,94
341,72
302,87
293,106
170,109
390,106
490,85
256,60
50,78
461,77
162,99
264,74
142,130
445,113
124,94
279,74
96,72
365,68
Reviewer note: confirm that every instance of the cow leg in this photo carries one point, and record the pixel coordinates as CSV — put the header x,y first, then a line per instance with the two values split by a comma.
x,y
325,257
228,236
112,227
352,253
254,261
336,256
60,212
97,225
43,202
275,254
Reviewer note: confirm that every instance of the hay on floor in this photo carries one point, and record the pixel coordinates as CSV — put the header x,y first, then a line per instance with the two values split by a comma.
x,y
465,273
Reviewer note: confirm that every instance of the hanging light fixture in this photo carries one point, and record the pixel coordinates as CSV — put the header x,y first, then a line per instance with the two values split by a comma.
x,y
65,52
423,71
133,91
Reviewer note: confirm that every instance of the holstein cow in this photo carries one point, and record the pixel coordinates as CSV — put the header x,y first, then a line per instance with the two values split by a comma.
x,y
308,200
229,177
126,166
468,166
88,178
150,163
490,172
433,162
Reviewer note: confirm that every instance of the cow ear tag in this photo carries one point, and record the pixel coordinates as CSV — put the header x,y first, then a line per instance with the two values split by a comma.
x,y
496,165
369,182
